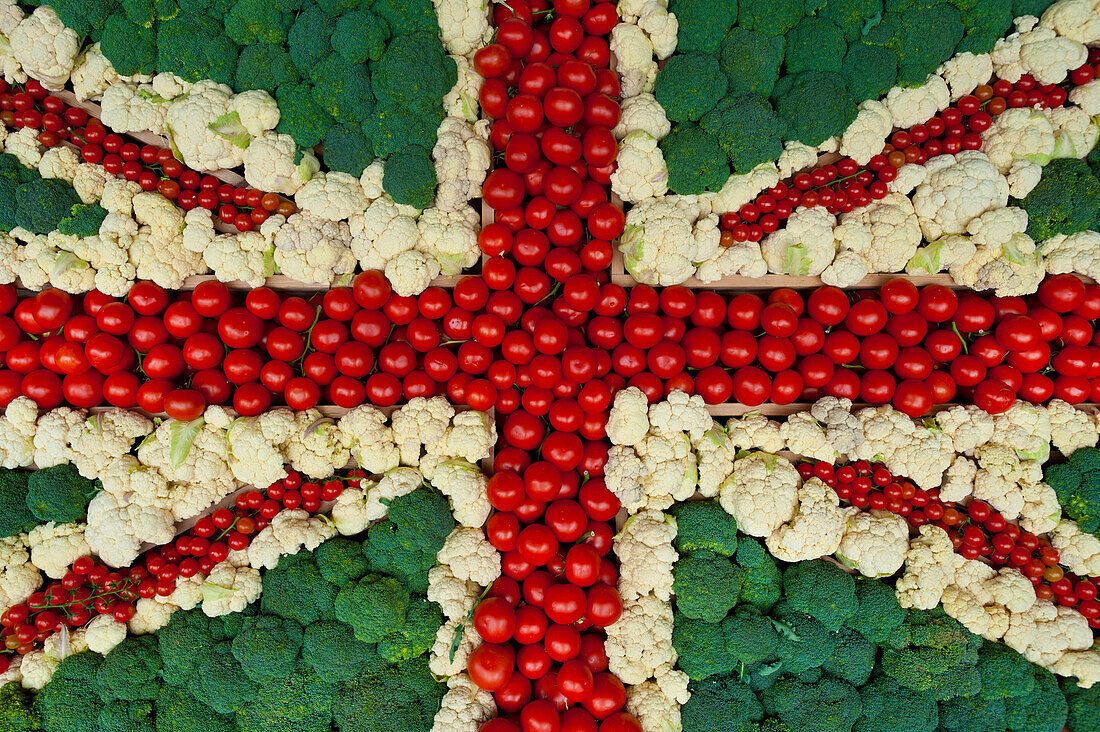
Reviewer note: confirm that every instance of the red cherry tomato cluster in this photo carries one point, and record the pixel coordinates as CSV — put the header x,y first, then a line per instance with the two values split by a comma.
x,y
976,529
552,97
845,185
153,168
89,588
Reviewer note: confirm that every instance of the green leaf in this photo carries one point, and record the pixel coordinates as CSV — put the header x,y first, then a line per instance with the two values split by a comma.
x,y
152,97
66,261
181,436
229,127
214,592
798,261
785,630
926,260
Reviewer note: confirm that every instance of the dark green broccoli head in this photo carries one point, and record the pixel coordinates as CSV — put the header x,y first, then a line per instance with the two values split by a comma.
x,y
342,89
309,39
879,617
17,712
869,71
689,86
763,583
939,656
393,129
404,545
130,670
83,220
360,36
348,150
195,47
852,16
703,23
227,627
409,178
183,644
1004,672
706,585
295,589
751,61
804,643
1030,7
220,681
416,635
335,654
414,72
267,648
139,12
1083,706
405,696
701,647
406,17
829,705
257,21
1066,201
15,515
1043,709
747,129
750,636
178,711
890,707
41,203
264,66
815,105
374,607
923,36
815,44
59,493
822,590
340,560
771,17
70,702
694,160
127,716
86,18
300,116
975,713
986,21
704,526
852,659
298,701
131,48
720,703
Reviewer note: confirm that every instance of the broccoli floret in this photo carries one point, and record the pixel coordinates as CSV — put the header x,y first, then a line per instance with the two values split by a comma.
x,y
83,220
131,48
257,21
751,61
264,66
771,17
939,656
43,202
17,712
815,105
879,617
1030,7
416,635
689,86
402,697
309,40
1084,706
220,681
300,116
975,713
405,544
701,647
406,17
183,643
704,526
228,627
694,159
214,8
360,36
86,18
1004,672
747,130
720,703
298,701
195,47
335,654
750,636
1066,201
852,659
706,585
804,643
409,177
341,560
127,716
890,707
414,72
70,703
343,89
763,583
295,589
869,71
139,12
178,711
268,647
923,36
852,15
374,607
1043,709
392,129
830,705
986,21
822,590
703,23
59,493
815,44
130,670
15,515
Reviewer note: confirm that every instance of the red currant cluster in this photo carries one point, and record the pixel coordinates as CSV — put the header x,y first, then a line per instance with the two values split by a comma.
x,y
845,185
976,529
89,589
153,168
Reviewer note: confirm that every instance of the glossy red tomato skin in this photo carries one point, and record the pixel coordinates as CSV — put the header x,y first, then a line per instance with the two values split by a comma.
x,y
490,666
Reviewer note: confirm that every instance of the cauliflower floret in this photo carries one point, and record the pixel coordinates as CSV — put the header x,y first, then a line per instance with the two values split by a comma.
x,y
847,270
1078,253
1021,134
93,74
255,446
446,659
450,237
761,493
313,250
60,163
349,512
17,430
680,413
116,529
670,468
1045,632
640,172
1025,428
471,436
904,447
151,616
290,531
316,445
104,633
1075,133
894,233
865,135
914,105
999,492
382,232
646,555
643,113
1077,550
661,27
37,669
45,48
625,476
457,597
741,258
24,145
102,438
1041,511
662,241
331,196
394,484
54,546
229,589
628,421
930,567
875,543
465,706
205,129
1085,665
806,246
965,72
464,485
18,577
462,100
805,436
714,452
464,25
959,188
755,432
51,437
958,481
969,427
634,60
1071,427
370,439
462,157
653,710
816,528
1087,97
741,189
420,422
470,556
843,429
269,164
639,643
